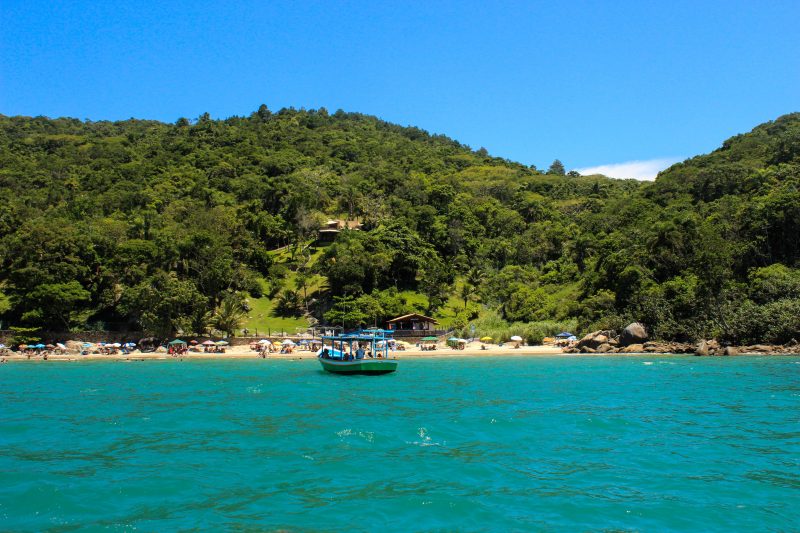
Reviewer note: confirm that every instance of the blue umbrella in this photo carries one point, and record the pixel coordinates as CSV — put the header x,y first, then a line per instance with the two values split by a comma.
x,y
39,346
564,334
87,344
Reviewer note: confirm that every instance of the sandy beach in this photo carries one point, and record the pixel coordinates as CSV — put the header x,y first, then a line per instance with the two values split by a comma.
x,y
245,352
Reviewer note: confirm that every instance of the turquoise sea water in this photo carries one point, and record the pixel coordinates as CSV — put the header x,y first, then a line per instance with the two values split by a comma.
x,y
546,443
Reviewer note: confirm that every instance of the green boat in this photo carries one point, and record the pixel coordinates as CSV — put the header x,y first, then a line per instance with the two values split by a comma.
x,y
361,352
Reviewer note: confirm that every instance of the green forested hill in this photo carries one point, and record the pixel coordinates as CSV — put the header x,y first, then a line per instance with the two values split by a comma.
x,y
163,227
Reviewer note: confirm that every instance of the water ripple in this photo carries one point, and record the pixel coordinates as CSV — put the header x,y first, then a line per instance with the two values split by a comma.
x,y
576,443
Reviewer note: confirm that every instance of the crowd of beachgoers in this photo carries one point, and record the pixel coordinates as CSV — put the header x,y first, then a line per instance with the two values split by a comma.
x,y
264,348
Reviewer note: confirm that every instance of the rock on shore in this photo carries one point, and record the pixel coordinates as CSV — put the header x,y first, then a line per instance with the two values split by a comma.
x,y
633,334
633,339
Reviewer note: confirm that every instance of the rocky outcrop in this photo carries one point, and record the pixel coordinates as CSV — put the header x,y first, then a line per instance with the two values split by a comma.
x,y
633,333
149,344
74,346
633,348
594,340
702,349
607,342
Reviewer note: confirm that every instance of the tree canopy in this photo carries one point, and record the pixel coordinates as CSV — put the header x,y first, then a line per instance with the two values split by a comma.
x,y
144,225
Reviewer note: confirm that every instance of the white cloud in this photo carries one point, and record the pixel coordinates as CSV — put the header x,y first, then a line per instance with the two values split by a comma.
x,y
640,170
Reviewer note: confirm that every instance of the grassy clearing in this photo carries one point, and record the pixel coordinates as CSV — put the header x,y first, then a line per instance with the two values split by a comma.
x,y
262,319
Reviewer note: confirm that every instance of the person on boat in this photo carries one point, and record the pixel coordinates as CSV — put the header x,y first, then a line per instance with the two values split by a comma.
x,y
360,353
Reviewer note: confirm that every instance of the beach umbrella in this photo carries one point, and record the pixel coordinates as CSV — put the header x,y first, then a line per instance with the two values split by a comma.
x,y
221,343
2,346
304,341
176,342
192,341
288,342
430,338
208,343
87,344
39,346
130,344
264,341
61,346
117,345
486,339
516,338
565,334
23,346
50,346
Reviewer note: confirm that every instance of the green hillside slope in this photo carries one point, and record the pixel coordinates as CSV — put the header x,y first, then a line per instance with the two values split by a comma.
x,y
210,224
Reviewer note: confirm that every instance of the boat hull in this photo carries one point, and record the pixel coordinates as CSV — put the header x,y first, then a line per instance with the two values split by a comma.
x,y
359,366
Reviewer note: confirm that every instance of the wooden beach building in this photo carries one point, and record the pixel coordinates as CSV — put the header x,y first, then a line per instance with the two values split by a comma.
x,y
331,229
414,324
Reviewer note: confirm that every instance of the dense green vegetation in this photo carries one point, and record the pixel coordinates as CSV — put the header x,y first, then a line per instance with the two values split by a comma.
x,y
201,224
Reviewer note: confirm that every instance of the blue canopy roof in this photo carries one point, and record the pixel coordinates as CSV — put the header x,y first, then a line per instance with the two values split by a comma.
x,y
565,334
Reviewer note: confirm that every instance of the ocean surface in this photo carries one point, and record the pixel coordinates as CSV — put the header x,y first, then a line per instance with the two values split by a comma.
x,y
560,443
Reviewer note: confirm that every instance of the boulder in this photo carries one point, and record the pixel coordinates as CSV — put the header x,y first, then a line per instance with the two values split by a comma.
x,y
684,348
605,348
762,348
730,350
702,349
148,344
586,349
633,348
593,340
633,334
74,346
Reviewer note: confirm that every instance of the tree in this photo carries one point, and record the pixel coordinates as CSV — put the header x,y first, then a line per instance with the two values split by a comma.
x,y
288,303
556,167
55,305
346,312
230,314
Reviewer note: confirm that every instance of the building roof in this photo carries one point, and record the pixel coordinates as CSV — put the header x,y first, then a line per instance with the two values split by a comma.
x,y
338,224
412,316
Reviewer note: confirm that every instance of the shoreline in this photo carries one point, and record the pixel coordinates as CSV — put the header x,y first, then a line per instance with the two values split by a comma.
x,y
238,353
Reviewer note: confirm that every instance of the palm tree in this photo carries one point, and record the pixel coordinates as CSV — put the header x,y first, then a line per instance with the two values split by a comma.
x,y
229,315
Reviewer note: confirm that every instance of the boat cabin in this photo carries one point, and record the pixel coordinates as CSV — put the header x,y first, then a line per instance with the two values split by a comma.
x,y
363,344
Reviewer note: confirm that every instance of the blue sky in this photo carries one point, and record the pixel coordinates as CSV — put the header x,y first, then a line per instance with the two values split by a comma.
x,y
591,83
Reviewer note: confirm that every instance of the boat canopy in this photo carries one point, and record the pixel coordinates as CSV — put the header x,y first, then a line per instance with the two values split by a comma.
x,y
342,345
